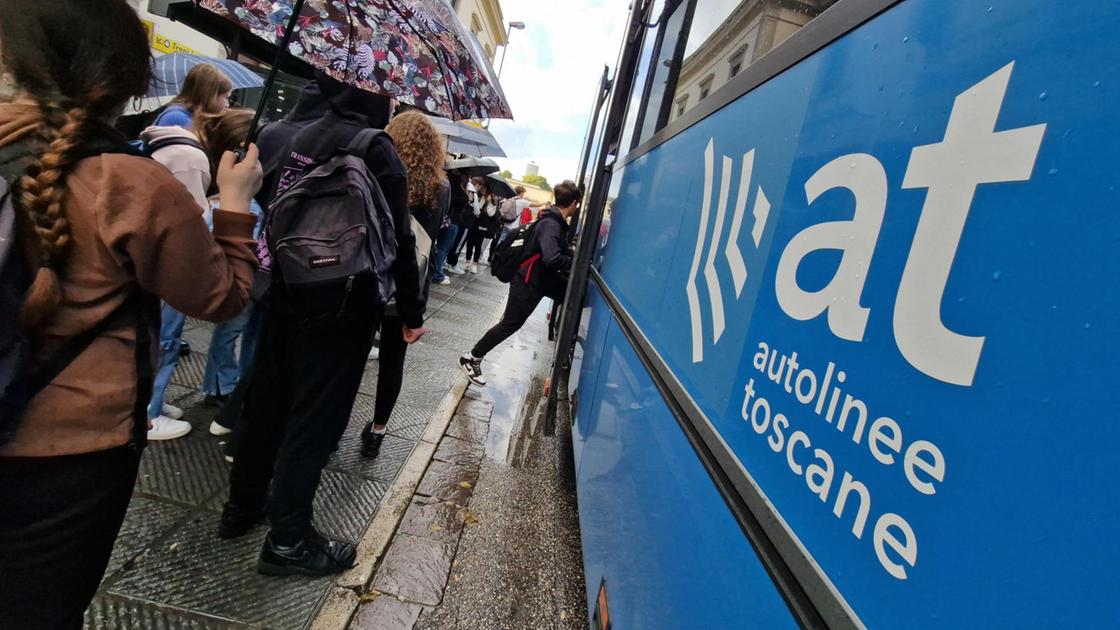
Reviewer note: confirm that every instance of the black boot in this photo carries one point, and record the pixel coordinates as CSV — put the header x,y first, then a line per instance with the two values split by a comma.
x,y
237,521
314,555
371,442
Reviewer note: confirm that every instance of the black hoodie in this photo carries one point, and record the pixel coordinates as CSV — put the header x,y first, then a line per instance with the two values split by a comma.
x,y
350,110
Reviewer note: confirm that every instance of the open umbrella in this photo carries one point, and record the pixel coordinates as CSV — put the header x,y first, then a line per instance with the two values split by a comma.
x,y
499,186
416,51
169,72
473,167
464,138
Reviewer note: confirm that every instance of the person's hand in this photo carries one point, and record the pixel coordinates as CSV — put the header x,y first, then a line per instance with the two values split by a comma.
x,y
239,181
412,335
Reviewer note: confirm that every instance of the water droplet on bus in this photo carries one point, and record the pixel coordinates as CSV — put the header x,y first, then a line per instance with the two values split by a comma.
x,y
990,9
1088,325
996,275
905,39
1096,83
1043,96
1052,172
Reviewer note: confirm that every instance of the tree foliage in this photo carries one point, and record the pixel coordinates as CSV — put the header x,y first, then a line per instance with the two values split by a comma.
x,y
506,174
538,180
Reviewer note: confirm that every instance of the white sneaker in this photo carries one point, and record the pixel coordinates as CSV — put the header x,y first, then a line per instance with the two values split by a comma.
x,y
374,353
164,428
456,270
445,281
219,430
474,268
171,411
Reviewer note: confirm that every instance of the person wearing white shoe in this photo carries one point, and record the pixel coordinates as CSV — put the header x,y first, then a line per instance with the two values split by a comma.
x,y
164,428
171,411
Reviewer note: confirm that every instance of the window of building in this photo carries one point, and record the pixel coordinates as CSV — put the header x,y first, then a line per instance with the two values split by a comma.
x,y
735,61
706,86
476,25
682,106
489,52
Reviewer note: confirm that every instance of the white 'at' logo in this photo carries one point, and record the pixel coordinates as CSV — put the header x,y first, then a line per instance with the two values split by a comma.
x,y
733,254
971,153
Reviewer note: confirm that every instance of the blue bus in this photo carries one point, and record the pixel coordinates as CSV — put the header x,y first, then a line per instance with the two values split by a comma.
x,y
841,339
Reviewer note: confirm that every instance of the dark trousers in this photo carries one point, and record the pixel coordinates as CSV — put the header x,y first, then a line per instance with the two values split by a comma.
x,y
457,245
475,239
523,300
59,518
390,369
301,392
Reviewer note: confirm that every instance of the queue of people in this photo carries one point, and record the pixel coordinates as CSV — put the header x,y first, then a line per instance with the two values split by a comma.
x,y
113,245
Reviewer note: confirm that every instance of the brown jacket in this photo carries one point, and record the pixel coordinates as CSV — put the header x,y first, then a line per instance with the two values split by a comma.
x,y
132,224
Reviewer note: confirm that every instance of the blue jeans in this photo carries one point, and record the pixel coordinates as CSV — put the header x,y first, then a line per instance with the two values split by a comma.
x,y
443,247
222,367
170,340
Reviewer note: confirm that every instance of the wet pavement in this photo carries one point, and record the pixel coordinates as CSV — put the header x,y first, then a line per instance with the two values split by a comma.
x,y
491,537
170,570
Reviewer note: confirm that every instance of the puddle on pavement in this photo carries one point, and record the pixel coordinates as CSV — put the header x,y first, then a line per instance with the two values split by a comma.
x,y
515,382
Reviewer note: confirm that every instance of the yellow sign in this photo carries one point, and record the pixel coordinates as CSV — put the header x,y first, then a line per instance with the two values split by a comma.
x,y
149,28
165,44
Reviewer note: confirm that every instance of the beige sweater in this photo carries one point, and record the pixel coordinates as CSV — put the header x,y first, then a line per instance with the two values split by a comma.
x,y
132,225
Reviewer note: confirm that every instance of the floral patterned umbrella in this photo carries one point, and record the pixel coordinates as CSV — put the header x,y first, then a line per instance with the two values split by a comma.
x,y
416,51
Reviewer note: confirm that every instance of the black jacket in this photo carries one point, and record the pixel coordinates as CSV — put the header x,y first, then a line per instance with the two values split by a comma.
x,y
550,239
351,110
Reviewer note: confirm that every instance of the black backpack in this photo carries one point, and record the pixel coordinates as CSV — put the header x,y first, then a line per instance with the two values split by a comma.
x,y
332,231
511,253
21,377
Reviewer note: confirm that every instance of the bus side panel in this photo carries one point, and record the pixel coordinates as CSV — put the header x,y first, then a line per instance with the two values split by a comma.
x,y
916,360
654,528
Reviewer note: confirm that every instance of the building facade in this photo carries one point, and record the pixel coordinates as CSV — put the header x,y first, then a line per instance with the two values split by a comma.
x,y
483,18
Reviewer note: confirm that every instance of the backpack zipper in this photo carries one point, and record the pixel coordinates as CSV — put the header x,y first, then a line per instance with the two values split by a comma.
x,y
346,295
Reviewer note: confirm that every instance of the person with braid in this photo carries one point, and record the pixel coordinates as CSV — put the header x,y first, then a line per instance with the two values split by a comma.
x,y
106,235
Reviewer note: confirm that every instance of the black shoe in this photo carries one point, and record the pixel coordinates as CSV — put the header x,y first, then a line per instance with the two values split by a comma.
x,y
237,521
472,367
314,555
371,442
184,349
216,400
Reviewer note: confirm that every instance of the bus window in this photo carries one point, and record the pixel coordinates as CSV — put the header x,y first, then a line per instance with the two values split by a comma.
x,y
727,36
634,108
668,53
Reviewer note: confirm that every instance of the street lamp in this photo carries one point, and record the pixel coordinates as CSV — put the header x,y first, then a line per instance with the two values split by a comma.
x,y
512,25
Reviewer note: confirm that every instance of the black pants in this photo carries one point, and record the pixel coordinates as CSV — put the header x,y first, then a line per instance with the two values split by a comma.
x,y
458,243
523,300
475,239
390,372
59,518
301,392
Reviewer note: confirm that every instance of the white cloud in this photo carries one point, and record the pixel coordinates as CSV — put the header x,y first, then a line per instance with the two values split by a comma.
x,y
550,78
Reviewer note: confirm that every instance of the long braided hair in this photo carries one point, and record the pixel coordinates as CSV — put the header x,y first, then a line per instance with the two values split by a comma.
x,y
79,62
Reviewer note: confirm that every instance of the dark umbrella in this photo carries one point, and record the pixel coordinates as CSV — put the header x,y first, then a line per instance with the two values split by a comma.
x,y
416,51
473,167
468,139
499,186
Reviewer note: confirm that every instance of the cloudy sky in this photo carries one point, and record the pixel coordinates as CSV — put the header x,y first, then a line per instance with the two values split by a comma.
x,y
565,43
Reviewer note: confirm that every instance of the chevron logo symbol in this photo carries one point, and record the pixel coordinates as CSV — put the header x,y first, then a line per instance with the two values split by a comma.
x,y
732,255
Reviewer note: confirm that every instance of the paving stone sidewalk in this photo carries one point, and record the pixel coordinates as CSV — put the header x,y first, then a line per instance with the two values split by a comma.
x,y
169,570
491,536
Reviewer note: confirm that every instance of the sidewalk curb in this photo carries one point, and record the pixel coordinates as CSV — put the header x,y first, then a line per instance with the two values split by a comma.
x,y
342,601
